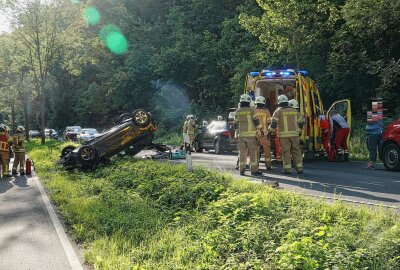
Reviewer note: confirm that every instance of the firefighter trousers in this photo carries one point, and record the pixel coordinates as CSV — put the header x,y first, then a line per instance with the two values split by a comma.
x,y
4,162
248,145
290,148
266,145
19,159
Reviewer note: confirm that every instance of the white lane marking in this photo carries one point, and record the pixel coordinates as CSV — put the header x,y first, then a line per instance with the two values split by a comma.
x,y
69,251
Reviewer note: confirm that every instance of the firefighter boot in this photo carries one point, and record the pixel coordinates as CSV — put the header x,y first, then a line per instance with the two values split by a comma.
x,y
14,172
22,172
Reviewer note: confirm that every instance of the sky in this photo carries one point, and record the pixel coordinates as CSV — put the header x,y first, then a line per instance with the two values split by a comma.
x,y
4,23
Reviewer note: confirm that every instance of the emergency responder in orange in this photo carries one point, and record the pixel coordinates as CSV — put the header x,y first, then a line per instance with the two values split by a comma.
x,y
265,119
247,124
191,129
19,151
5,141
339,133
288,121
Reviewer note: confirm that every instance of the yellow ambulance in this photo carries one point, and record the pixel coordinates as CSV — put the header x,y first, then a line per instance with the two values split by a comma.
x,y
298,85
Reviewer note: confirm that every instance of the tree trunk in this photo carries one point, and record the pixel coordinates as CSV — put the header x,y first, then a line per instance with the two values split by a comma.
x,y
26,118
42,113
13,117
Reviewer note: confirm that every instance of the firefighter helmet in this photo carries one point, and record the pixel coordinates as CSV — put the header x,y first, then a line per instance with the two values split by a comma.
x,y
245,98
189,117
2,126
260,100
293,103
282,99
219,118
20,128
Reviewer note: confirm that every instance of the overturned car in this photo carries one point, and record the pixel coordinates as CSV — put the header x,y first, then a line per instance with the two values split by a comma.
x,y
132,134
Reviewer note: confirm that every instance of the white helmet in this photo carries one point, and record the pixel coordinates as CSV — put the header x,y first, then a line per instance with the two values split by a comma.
x,y
245,98
189,117
20,128
219,118
2,126
260,100
282,99
293,103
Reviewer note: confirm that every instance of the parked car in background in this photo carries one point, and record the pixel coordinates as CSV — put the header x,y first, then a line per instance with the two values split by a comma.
x,y
51,133
218,136
88,134
34,133
71,133
389,150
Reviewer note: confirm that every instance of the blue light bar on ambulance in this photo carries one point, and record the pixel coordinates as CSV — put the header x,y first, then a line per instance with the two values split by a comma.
x,y
254,73
303,73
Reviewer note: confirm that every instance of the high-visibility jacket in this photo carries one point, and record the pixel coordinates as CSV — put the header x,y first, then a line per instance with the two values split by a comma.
x,y
185,127
19,140
191,126
5,140
265,118
247,122
288,121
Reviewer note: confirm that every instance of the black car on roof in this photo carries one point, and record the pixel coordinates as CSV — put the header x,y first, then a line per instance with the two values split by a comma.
x,y
134,132
218,136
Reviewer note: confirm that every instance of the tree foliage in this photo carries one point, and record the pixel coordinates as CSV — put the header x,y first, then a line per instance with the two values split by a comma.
x,y
192,56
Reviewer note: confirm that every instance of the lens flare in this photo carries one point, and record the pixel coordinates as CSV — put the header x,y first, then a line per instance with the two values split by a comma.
x,y
92,15
113,39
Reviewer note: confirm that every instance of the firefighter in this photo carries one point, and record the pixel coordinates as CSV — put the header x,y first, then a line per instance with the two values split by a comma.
x,y
191,129
295,105
339,134
247,124
184,130
5,141
288,120
265,119
19,150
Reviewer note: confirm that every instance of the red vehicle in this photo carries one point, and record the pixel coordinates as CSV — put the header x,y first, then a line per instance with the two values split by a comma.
x,y
389,151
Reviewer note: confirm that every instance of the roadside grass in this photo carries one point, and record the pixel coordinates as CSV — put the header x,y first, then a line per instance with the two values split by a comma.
x,y
138,214
358,147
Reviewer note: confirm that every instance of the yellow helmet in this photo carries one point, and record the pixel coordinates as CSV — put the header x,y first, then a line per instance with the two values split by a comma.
x,y
293,103
260,100
282,99
245,98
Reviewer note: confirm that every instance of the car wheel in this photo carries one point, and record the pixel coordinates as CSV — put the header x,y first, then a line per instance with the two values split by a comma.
x,y
141,118
87,154
197,147
123,117
67,149
391,157
217,147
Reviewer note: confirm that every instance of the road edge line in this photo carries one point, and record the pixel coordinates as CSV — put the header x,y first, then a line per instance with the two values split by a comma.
x,y
66,244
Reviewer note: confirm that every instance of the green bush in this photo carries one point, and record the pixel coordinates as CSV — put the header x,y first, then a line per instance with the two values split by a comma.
x,y
149,215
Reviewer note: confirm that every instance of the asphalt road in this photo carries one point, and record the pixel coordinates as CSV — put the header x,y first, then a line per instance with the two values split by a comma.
x,y
347,181
31,235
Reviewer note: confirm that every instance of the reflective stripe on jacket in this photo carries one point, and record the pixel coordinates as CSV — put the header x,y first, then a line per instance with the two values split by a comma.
x,y
288,120
265,118
245,119
4,141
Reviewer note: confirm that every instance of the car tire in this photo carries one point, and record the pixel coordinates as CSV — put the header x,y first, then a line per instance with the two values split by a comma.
x,y
67,149
217,147
123,117
391,157
197,147
87,154
141,118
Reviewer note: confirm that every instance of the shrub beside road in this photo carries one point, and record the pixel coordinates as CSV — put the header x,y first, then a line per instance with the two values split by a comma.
x,y
138,214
